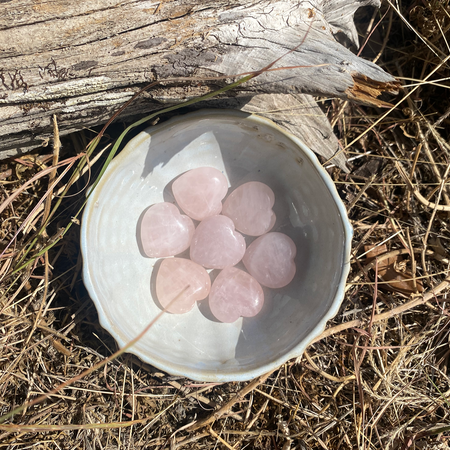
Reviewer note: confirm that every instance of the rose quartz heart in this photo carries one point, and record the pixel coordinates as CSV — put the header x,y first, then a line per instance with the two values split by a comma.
x,y
270,259
250,208
164,231
199,192
180,283
235,293
216,244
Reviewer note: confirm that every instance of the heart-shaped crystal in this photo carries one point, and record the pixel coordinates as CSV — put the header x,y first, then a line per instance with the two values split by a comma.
x,y
199,192
164,231
250,208
216,244
235,293
180,283
270,259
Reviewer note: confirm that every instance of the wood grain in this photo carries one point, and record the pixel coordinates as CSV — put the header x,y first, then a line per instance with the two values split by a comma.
x,y
82,60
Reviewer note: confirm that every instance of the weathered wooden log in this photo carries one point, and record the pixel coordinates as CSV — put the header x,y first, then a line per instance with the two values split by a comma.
x,y
82,60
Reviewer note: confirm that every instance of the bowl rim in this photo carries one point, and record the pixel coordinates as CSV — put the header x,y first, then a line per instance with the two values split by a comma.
x,y
296,351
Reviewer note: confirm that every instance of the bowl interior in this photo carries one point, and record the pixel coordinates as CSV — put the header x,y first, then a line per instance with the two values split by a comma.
x,y
120,279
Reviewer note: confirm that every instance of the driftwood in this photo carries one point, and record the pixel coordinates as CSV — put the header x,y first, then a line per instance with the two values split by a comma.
x,y
82,60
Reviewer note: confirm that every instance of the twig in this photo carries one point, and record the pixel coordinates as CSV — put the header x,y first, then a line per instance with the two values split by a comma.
x,y
214,434
416,192
430,222
413,259
52,176
236,399
388,314
87,426
387,34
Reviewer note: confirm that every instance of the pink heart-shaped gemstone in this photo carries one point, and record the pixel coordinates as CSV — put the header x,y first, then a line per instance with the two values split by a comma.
x,y
164,231
216,244
235,293
180,283
250,208
270,259
199,192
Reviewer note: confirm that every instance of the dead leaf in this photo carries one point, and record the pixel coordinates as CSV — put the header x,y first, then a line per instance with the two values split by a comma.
x,y
388,271
60,347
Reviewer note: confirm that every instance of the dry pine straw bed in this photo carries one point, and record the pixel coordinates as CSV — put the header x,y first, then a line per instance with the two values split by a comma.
x,y
378,377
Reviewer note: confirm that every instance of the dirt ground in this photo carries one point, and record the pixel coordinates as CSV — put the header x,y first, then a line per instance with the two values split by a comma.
x,y
378,377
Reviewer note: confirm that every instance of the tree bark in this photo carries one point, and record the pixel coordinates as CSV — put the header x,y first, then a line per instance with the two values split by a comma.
x,y
82,60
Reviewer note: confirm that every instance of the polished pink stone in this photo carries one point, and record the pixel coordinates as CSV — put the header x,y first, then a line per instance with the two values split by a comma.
x,y
180,283
235,293
216,244
164,231
270,259
199,192
250,208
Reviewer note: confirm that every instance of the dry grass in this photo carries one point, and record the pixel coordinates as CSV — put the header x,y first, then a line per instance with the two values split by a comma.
x,y
378,378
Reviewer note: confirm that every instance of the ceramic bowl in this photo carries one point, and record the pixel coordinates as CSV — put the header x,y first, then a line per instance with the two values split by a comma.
x,y
120,278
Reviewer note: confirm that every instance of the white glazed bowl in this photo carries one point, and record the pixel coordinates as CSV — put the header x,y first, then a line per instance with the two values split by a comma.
x,y
245,148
